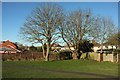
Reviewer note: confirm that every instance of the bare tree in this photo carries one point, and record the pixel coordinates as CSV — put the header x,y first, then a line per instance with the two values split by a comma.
x,y
103,28
75,28
113,39
42,26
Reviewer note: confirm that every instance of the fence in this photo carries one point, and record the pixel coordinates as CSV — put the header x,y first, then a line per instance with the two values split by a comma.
x,y
113,57
118,58
36,56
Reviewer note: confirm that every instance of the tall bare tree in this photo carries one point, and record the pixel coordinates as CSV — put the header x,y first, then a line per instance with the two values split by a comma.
x,y
103,28
75,28
42,26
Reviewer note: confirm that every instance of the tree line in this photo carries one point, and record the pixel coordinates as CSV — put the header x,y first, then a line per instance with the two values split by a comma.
x,y
48,23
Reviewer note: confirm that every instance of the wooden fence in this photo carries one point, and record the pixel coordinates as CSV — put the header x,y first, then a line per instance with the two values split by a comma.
x,y
113,57
118,58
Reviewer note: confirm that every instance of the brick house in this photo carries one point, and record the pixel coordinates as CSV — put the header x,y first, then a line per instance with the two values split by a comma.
x,y
8,47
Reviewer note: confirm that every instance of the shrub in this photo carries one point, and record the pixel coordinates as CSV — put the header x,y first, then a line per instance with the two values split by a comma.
x,y
52,52
39,49
33,49
66,55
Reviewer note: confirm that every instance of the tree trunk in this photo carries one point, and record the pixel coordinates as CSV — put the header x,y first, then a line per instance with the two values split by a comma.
x,y
43,51
74,55
101,47
116,46
112,47
48,51
46,58
32,56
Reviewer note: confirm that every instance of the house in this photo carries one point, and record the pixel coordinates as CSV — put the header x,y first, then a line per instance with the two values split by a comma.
x,y
97,46
56,46
109,46
8,47
66,48
61,48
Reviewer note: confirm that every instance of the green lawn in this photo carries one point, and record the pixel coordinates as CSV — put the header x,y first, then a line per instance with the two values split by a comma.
x,y
11,72
107,68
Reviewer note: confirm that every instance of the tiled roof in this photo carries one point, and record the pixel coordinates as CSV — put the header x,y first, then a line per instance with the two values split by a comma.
x,y
56,45
95,43
8,43
8,46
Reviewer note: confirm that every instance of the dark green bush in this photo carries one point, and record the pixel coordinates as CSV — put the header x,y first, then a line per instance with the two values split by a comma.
x,y
33,49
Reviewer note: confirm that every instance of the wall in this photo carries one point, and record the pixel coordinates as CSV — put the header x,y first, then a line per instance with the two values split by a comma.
x,y
108,57
93,56
96,56
115,57
118,58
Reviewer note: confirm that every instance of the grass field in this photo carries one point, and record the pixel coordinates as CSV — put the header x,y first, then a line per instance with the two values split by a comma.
x,y
106,68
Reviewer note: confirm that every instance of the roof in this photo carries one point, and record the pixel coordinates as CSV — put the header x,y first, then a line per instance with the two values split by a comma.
x,y
8,46
67,45
56,45
95,43
107,43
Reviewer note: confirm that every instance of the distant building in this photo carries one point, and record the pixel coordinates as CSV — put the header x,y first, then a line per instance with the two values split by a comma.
x,y
97,46
56,46
8,47
27,47
66,48
17,44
